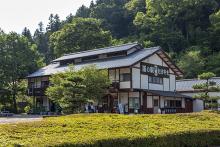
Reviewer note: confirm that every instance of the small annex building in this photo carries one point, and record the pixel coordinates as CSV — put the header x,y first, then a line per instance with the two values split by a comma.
x,y
143,79
185,87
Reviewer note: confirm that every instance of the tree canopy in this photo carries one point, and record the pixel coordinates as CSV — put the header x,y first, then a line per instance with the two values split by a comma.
x,y
71,89
81,34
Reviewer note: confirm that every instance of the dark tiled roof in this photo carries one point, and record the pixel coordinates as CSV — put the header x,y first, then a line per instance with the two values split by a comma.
x,y
99,51
101,64
187,84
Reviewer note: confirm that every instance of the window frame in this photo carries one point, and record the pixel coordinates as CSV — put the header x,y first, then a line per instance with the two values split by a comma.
x,y
133,103
123,79
168,103
155,80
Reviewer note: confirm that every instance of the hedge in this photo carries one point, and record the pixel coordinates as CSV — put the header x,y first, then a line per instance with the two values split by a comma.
x,y
106,130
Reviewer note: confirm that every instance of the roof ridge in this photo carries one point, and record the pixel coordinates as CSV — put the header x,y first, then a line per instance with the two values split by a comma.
x,y
130,43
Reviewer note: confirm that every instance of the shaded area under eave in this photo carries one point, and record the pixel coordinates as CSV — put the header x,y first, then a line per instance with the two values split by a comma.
x,y
168,94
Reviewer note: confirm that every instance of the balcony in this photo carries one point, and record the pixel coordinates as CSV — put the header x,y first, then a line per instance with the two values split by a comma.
x,y
36,91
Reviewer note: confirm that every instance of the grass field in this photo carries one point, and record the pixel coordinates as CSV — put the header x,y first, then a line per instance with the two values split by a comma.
x,y
199,129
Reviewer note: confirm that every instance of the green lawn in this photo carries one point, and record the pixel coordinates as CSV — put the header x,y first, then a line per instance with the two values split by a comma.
x,y
197,129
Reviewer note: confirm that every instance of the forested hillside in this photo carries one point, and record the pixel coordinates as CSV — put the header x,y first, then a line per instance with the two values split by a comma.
x,y
189,30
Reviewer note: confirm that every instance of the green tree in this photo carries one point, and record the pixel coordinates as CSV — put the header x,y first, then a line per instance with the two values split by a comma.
x,y
83,12
81,34
41,40
191,63
18,58
26,32
54,24
71,89
187,20
207,87
214,37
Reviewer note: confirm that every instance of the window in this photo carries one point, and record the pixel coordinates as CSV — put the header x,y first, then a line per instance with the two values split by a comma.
x,y
156,103
44,84
155,80
173,103
116,54
90,58
134,103
125,77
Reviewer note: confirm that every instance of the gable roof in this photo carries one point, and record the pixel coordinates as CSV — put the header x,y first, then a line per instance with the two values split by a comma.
x,y
186,85
99,51
101,64
170,63
116,62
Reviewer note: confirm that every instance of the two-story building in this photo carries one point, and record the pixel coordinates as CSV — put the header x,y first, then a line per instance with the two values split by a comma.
x,y
143,79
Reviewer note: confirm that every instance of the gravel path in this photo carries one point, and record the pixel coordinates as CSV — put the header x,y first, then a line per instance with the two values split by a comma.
x,y
20,119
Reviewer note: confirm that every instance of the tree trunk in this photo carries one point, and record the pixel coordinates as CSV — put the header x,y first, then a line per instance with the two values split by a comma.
x,y
14,101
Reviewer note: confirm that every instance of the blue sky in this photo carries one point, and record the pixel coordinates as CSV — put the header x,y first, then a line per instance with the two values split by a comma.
x,y
17,14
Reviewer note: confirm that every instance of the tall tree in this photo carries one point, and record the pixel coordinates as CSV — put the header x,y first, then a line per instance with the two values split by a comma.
x,y
27,33
18,58
81,34
41,40
83,11
54,23
187,20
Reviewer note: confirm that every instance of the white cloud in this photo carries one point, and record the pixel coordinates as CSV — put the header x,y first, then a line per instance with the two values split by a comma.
x,y
17,14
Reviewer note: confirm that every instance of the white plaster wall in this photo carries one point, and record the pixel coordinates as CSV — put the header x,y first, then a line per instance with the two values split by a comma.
x,y
172,82
149,102
117,74
198,105
144,81
135,78
166,83
137,65
155,59
125,70
124,85
123,98
112,74
155,86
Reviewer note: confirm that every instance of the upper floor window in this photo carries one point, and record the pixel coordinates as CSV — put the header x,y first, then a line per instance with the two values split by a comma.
x,y
155,80
116,54
125,77
90,58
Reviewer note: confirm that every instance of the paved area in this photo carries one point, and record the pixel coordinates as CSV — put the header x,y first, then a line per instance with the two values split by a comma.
x,y
20,118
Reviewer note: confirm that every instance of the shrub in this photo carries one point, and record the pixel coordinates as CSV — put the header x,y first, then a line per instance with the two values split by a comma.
x,y
98,130
27,109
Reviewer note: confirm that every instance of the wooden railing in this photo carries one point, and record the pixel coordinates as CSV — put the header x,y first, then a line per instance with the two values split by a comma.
x,y
172,110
